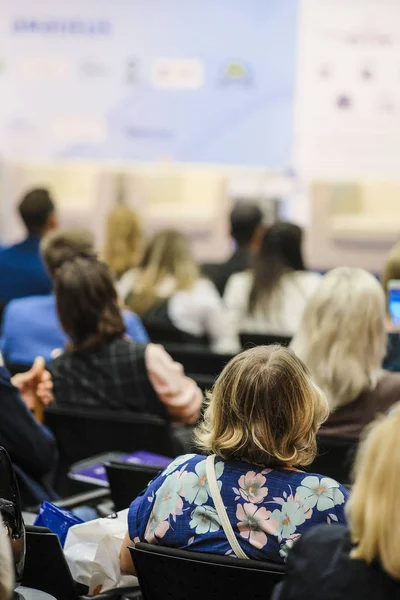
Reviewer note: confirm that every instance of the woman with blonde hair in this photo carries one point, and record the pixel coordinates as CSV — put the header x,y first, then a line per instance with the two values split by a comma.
x,y
260,425
342,340
334,563
168,292
124,240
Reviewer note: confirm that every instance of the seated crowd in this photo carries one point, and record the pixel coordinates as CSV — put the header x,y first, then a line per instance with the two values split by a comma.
x,y
252,440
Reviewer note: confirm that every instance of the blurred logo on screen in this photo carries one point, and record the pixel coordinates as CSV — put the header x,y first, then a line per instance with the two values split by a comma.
x,y
149,133
72,129
93,69
236,72
62,26
132,71
177,73
44,68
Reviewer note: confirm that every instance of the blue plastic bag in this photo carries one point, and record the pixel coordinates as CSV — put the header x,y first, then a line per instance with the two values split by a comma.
x,y
56,519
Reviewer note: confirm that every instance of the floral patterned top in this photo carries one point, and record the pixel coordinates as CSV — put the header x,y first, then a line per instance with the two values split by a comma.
x,y
268,508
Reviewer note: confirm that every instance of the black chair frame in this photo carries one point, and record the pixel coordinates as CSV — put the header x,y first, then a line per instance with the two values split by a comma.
x,y
168,573
81,434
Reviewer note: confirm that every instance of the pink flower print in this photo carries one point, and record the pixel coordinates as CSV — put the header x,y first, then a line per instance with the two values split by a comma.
x,y
254,524
156,529
251,487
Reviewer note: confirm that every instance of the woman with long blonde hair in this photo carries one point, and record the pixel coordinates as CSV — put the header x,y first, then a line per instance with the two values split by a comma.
x,y
363,562
167,288
259,429
342,340
124,240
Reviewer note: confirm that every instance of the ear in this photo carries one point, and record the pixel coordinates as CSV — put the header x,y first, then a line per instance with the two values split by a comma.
x,y
257,237
53,222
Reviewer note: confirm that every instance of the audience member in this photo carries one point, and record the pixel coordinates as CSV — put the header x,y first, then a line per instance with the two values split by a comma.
x,y
30,445
22,271
103,369
246,221
261,423
6,565
30,325
124,240
342,340
272,296
168,289
363,562
392,271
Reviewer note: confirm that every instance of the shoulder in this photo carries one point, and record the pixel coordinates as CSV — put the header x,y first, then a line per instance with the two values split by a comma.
x,y
186,462
309,279
7,252
130,317
30,303
205,287
242,277
389,380
129,276
239,281
319,543
312,276
325,534
123,348
387,388
125,283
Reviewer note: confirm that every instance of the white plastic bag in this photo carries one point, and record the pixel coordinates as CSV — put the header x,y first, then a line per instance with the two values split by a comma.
x,y
92,551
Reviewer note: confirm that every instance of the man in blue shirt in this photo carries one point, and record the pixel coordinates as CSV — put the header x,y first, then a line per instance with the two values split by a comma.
x,y
22,272
30,325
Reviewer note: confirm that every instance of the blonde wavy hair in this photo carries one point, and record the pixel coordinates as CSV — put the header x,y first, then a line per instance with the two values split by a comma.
x,y
391,269
124,240
264,408
377,487
342,337
168,254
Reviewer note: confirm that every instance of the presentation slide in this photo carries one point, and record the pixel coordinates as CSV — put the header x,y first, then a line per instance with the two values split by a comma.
x,y
202,81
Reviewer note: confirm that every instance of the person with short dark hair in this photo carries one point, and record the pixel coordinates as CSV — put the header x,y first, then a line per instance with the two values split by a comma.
x,y
38,212
30,325
246,229
103,369
21,267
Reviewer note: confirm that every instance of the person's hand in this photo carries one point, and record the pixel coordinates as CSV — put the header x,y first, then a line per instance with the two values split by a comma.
x,y
35,383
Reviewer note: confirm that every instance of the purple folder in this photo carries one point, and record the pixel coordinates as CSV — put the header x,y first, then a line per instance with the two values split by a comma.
x,y
96,473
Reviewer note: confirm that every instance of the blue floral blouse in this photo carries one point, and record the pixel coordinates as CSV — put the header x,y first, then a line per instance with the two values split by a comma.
x,y
268,508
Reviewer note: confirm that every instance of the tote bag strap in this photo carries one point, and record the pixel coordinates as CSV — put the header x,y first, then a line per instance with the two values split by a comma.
x,y
220,508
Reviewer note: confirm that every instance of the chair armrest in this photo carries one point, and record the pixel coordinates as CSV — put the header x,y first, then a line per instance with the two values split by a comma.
x,y
86,499
36,529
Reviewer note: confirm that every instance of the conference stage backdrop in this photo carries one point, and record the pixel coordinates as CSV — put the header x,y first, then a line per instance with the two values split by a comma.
x,y
194,81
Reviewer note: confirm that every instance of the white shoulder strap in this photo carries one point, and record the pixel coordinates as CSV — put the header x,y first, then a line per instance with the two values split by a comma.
x,y
220,508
